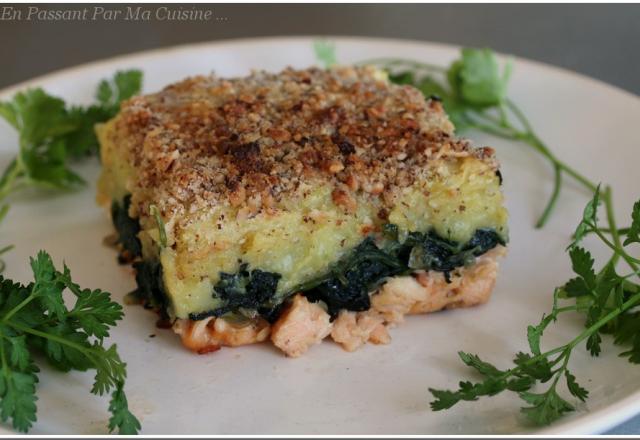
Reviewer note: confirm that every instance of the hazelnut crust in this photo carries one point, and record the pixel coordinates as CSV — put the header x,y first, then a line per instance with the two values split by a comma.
x,y
208,141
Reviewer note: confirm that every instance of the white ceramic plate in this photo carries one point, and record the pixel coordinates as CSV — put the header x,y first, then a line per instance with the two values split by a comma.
x,y
379,389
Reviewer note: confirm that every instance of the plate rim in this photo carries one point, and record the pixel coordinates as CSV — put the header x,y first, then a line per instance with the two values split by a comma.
x,y
596,421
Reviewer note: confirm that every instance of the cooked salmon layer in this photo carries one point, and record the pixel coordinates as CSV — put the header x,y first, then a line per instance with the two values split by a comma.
x,y
299,205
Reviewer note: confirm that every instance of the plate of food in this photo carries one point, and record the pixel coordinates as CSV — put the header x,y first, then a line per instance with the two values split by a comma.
x,y
293,236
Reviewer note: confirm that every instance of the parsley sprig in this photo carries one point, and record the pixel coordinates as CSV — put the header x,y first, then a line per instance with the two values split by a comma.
x,y
35,319
52,135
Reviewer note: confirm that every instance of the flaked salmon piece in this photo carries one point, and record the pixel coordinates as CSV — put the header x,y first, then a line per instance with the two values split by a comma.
x,y
209,334
301,325
425,292
354,329
380,335
232,335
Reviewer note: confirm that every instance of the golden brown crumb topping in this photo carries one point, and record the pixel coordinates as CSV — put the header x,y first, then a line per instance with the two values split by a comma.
x,y
253,140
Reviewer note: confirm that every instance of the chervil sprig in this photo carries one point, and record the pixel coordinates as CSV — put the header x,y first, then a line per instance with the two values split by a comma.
x,y
606,298
35,319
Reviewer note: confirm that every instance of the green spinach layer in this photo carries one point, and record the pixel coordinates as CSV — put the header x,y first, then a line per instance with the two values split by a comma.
x,y
346,286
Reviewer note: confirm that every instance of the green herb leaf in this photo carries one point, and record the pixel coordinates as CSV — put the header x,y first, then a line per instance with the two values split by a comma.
x,y
19,357
17,380
122,418
325,52
34,318
627,332
582,263
94,310
110,370
545,407
593,344
484,368
67,349
589,218
533,337
476,78
576,287
633,235
431,88
82,142
444,399
520,383
162,233
574,387
4,209
37,116
40,119
18,398
537,367
467,391
124,85
404,78
46,287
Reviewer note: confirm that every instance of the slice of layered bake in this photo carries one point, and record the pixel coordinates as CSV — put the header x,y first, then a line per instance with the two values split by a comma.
x,y
299,205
